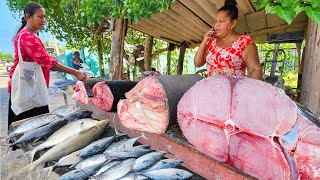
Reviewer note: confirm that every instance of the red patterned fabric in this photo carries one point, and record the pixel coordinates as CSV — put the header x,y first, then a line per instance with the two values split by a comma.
x,y
32,50
227,61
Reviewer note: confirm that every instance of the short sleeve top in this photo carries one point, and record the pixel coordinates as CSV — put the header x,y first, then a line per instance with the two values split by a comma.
x,y
32,50
227,61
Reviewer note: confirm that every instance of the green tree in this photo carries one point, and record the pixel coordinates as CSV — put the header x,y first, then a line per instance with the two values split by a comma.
x,y
6,57
289,9
85,23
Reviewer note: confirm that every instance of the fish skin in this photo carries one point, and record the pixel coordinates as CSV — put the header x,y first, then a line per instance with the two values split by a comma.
x,y
93,161
66,110
106,166
64,133
122,144
33,123
68,160
164,164
73,143
129,152
147,160
78,115
99,146
75,174
133,176
42,131
168,174
118,171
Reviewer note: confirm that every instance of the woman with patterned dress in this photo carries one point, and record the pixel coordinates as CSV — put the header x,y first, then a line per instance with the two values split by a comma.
x,y
227,52
33,50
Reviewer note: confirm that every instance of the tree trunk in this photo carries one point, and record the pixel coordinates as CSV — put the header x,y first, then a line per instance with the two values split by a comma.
x,y
169,62
183,48
117,49
310,93
148,53
100,54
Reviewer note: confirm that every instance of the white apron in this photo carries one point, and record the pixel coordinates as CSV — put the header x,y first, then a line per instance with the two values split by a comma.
x,y
28,86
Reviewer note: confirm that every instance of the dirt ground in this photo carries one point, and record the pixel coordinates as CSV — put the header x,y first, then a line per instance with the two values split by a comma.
x,y
13,161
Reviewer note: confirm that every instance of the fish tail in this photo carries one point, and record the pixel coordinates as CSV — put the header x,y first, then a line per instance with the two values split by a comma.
x,y
50,169
32,153
25,171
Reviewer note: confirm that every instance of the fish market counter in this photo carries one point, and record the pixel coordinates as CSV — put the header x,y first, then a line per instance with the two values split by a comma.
x,y
177,147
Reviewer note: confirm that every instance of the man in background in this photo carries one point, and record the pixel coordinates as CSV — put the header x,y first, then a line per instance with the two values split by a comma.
x,y
76,60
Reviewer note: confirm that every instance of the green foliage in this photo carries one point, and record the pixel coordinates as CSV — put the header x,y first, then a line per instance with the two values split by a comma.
x,y
6,57
80,22
289,9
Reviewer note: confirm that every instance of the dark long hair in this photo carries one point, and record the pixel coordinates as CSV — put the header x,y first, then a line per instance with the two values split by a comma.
x,y
230,6
30,8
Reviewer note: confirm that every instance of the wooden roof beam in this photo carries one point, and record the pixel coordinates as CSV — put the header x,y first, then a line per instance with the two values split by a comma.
x,y
195,8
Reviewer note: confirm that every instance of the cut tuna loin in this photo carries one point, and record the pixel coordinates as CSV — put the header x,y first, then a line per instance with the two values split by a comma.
x,y
240,121
80,93
106,94
102,96
151,106
307,153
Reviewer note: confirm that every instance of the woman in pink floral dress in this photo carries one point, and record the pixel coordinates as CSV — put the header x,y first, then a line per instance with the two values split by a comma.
x,y
227,52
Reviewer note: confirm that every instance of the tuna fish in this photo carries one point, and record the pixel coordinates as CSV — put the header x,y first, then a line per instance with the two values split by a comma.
x,y
95,161
64,133
41,132
67,146
168,174
33,123
106,166
68,160
76,174
78,115
118,171
66,110
147,160
98,146
122,144
164,164
129,152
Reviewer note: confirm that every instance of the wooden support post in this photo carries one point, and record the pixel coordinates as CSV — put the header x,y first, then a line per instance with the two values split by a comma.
x,y
183,48
298,45
117,49
148,52
310,91
169,62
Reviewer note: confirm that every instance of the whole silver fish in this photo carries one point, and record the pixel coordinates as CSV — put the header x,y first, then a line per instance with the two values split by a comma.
x,y
68,160
33,123
133,176
42,131
64,133
78,115
118,171
147,160
98,146
168,174
76,174
95,161
69,145
164,164
106,166
129,152
122,144
66,110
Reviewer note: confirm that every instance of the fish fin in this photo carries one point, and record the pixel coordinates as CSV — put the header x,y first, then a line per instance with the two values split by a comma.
x,y
49,169
25,170
144,136
36,140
